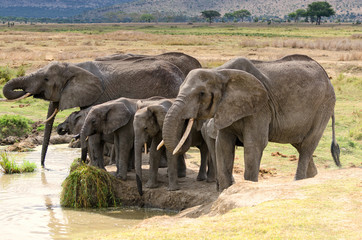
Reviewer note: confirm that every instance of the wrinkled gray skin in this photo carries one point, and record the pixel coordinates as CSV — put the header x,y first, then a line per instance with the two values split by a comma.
x,y
289,100
148,124
73,125
112,118
68,85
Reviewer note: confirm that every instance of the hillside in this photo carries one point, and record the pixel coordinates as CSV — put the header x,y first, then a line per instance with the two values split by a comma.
x,y
256,7
94,9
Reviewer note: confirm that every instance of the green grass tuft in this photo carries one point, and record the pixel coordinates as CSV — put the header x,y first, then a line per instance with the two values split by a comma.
x,y
10,166
88,187
14,125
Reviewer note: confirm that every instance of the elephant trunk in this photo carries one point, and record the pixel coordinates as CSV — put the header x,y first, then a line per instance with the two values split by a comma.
x,y
48,131
10,87
173,124
83,142
138,164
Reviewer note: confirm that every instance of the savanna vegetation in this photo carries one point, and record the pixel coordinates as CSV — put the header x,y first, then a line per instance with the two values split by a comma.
x,y
331,210
10,166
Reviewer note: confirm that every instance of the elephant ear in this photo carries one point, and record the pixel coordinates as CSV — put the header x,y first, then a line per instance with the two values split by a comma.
x,y
116,117
81,89
243,96
159,111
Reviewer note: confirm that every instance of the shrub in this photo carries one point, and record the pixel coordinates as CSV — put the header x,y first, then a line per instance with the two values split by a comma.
x,y
10,166
7,73
14,125
88,187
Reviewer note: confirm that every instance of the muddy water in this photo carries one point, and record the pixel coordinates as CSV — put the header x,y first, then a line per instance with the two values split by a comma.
x,y
30,203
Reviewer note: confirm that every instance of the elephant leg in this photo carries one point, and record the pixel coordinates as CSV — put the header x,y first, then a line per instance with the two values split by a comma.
x,y
172,171
95,146
225,152
123,149
163,159
181,166
306,167
154,164
204,157
211,171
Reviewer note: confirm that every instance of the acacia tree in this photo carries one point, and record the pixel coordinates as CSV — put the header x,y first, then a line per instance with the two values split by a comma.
x,y
241,14
210,15
147,17
319,10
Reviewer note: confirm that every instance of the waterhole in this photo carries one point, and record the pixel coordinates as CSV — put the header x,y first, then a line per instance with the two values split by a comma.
x,y
30,203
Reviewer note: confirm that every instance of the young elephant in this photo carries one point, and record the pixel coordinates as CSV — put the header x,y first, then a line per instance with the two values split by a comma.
x,y
73,125
113,117
148,123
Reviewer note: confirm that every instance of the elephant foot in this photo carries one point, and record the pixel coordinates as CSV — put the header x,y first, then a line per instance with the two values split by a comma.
x,y
201,177
151,184
121,176
210,179
173,188
181,173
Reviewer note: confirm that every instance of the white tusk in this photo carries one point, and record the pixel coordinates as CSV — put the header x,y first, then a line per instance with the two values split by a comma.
x,y
184,137
160,145
86,139
53,115
145,148
16,99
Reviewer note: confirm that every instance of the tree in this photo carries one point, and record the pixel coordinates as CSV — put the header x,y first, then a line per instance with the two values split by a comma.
x,y
319,10
229,16
210,15
292,16
300,13
241,14
147,17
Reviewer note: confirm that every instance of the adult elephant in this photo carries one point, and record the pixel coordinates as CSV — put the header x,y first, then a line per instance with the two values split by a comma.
x,y
289,100
68,85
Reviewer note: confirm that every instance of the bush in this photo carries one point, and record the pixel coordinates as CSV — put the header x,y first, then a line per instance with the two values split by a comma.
x,y
7,73
14,125
10,166
88,187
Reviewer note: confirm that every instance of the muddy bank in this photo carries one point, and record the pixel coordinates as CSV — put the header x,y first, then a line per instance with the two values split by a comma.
x,y
192,192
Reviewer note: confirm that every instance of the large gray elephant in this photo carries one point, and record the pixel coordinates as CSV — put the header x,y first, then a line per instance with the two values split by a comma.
x,y
112,118
102,144
68,85
289,100
148,124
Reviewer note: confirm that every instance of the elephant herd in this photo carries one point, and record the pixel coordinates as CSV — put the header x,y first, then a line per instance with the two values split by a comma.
x,y
164,104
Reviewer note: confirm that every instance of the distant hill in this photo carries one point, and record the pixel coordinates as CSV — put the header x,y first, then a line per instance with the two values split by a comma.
x,y
52,8
99,8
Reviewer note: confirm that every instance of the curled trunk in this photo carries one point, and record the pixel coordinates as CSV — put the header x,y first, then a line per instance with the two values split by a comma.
x,y
10,87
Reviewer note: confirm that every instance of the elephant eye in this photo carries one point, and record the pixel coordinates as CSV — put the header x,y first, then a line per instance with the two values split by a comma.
x,y
46,79
202,94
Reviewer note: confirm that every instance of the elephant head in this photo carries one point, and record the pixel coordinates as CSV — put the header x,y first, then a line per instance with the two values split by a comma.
x,y
147,124
104,118
74,122
226,95
65,85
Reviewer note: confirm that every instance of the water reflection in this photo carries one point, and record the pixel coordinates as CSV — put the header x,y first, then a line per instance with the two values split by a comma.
x,y
30,206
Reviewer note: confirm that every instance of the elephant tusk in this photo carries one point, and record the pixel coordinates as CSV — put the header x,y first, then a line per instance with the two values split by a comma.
x,y
16,99
160,145
53,115
86,139
145,148
184,137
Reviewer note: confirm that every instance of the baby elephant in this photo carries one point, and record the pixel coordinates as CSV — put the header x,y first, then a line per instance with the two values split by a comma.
x,y
148,123
73,125
113,117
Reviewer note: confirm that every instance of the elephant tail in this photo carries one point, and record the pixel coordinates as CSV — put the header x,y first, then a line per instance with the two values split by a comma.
x,y
139,185
334,146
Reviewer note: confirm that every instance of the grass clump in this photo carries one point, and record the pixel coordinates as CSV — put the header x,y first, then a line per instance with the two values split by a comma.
x,y
10,166
7,73
88,187
14,125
